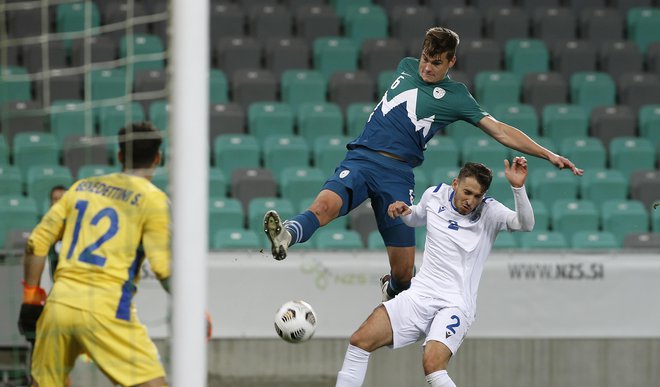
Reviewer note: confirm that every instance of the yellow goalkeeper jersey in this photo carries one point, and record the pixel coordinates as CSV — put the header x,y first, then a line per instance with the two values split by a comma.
x,y
107,225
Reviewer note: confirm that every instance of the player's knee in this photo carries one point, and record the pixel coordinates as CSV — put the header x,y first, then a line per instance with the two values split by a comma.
x,y
325,210
361,341
433,363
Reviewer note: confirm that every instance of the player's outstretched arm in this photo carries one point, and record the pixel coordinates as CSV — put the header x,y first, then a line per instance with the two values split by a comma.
x,y
523,218
397,209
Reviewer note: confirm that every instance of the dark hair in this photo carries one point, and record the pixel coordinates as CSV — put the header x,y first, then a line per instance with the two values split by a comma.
x,y
438,40
139,143
58,187
480,172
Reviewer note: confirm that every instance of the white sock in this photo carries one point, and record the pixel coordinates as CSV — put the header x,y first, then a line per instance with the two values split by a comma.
x,y
354,369
440,379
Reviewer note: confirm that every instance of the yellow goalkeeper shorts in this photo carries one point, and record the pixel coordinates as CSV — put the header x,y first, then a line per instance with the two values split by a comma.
x,y
121,349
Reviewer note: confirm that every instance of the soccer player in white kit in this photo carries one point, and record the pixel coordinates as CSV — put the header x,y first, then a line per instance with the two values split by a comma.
x,y
440,305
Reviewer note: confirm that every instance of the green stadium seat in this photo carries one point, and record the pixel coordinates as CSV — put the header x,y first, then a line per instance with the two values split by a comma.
x,y
643,26
622,217
225,214
592,89
16,212
334,54
11,182
484,150
594,240
500,188
630,154
112,118
444,175
363,22
375,241
505,240
270,119
552,185
535,240
258,207
338,240
537,163
159,115
41,179
357,115
281,152
562,121
236,240
34,149
460,131
441,151
109,83
655,221
421,183
96,170
218,185
319,119
73,17
585,152
570,216
233,151
497,88
14,84
385,79
649,123
339,223
521,116
541,212
329,151
161,179
303,86
4,151
601,185
343,6
144,48
218,87
525,56
299,183
70,118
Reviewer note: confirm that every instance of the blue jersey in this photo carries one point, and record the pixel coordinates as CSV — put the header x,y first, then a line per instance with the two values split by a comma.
x,y
412,111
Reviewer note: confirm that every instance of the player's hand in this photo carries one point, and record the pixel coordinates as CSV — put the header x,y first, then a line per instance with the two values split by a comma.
x,y
562,162
209,326
397,209
27,320
516,172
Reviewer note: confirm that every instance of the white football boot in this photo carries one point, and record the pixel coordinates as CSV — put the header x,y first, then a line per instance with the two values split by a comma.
x,y
278,235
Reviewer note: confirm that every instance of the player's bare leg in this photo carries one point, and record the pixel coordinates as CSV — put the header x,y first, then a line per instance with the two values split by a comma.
x,y
435,360
326,206
402,263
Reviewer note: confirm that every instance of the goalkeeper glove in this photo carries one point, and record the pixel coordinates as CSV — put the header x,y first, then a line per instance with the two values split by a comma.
x,y
34,298
209,326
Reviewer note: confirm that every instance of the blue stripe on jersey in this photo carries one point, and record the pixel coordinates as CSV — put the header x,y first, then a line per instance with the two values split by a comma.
x,y
438,187
129,288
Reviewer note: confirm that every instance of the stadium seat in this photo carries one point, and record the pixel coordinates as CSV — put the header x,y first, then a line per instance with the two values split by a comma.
x,y
357,115
225,214
467,20
234,151
41,179
218,185
620,57
484,150
78,151
149,86
16,240
315,120
281,152
378,55
477,55
14,84
586,152
226,19
521,116
461,130
537,163
258,207
552,185
11,183
441,151
143,48
648,121
600,25
645,187
410,21
630,154
251,86
592,89
91,170
600,185
270,119
422,183
303,86
62,86
34,149
524,56
22,23
329,151
573,56
505,240
282,54
343,6
73,17
345,88
642,240
643,26
542,89
112,118
338,240
594,240
70,118
638,89
655,221
611,122
101,49
16,212
363,22
333,54
299,183
33,59
338,223
108,83
4,151
500,188
622,217
497,88
269,21
226,119
236,240
653,58
570,216
363,221
250,183
553,25
561,121
161,179
118,11
375,241
237,53
20,117
504,23
315,21
535,240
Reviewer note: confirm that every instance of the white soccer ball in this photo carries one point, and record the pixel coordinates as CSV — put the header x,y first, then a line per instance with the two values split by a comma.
x,y
295,321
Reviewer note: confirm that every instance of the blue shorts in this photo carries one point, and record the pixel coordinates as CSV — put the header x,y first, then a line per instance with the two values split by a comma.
x,y
367,174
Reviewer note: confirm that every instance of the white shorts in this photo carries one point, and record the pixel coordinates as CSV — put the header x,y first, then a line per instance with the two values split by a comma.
x,y
414,316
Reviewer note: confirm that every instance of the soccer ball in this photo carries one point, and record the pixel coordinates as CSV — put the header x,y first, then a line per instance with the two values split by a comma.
x,y
295,321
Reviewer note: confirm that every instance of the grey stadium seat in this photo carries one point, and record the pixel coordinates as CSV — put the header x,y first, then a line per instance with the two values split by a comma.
x,y
20,117
102,49
645,187
117,11
82,150
600,25
33,56
283,54
541,89
478,55
653,58
579,5
492,4
238,53
572,56
378,55
553,25
467,20
532,5
250,183
61,87
623,6
226,119
347,87
363,221
294,5
253,86
612,121
638,89
410,22
502,24
315,21
269,21
621,57
438,6
642,240
149,81
226,19
22,23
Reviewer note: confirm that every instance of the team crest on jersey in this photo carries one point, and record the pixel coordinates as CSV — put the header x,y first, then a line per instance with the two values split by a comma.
x,y
344,173
439,92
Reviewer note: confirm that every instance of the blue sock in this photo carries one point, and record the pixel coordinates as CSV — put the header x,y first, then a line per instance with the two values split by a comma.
x,y
395,287
302,227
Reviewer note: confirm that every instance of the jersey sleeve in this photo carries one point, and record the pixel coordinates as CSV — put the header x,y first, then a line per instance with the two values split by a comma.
x,y
470,110
156,234
498,214
50,228
417,217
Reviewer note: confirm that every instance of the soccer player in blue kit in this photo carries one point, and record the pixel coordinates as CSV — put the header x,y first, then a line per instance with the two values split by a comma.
x,y
421,100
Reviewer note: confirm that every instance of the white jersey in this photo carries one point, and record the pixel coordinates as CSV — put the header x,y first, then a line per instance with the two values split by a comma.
x,y
456,246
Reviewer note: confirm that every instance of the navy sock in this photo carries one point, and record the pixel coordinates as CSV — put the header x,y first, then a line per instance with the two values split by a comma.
x,y
395,287
302,227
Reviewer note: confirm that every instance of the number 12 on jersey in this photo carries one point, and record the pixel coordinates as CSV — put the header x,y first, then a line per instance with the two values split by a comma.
x,y
87,255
